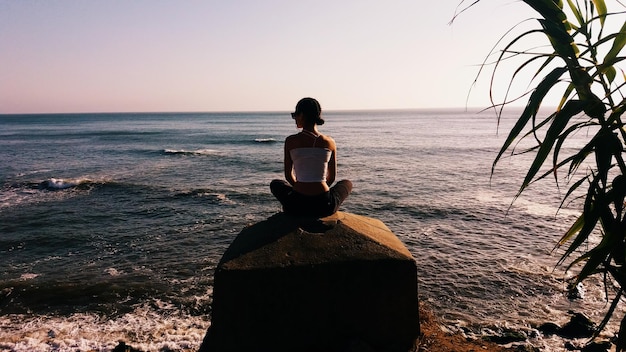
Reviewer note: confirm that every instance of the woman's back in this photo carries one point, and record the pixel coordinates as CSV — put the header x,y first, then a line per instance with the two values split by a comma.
x,y
312,161
310,166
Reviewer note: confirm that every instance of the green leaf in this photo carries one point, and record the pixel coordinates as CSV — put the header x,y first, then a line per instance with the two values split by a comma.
x,y
595,257
548,58
601,9
605,146
576,11
591,215
602,252
570,88
584,228
572,189
618,45
505,50
610,74
534,102
560,39
559,123
548,9
580,157
574,229
618,192
573,107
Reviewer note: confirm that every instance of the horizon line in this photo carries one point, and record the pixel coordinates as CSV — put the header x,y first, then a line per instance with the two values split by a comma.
x,y
469,108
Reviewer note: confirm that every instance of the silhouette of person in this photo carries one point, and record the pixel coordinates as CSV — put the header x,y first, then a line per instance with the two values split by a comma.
x,y
310,164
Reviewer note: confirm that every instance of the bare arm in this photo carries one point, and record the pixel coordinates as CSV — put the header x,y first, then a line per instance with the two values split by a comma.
x,y
332,164
288,163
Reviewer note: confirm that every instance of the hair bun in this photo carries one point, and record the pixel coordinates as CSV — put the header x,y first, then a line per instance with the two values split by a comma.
x,y
311,109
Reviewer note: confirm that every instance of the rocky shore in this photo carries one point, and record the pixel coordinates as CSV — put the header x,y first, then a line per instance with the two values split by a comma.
x,y
435,337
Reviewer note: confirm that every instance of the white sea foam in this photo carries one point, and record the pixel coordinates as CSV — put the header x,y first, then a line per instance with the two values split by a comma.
x,y
224,199
56,184
199,152
112,272
28,193
145,328
28,276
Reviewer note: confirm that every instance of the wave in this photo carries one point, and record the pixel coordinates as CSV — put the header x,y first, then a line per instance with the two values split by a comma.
x,y
212,196
265,140
190,152
54,184
109,289
29,192
57,189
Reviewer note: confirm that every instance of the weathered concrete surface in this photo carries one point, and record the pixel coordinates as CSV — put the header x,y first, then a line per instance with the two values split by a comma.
x,y
290,284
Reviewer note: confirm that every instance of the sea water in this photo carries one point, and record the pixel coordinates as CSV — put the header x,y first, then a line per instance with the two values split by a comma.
x,y
111,225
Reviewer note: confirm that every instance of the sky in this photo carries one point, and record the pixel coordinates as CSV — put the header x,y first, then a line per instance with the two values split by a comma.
x,y
245,55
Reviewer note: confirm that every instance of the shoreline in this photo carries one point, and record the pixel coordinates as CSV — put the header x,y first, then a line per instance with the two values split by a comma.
x,y
433,338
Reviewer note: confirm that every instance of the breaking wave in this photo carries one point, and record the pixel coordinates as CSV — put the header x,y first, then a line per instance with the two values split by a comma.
x,y
198,152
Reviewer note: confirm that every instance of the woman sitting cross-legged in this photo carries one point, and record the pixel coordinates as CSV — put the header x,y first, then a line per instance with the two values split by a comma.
x,y
310,167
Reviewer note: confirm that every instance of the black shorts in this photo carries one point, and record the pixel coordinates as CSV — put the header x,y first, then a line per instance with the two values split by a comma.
x,y
320,205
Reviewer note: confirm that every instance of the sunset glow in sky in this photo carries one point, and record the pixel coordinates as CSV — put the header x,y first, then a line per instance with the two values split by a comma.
x,y
244,55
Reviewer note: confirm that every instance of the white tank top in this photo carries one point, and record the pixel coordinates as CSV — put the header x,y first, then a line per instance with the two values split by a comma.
x,y
310,164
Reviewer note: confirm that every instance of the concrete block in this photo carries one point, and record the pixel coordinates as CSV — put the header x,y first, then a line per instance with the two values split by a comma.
x,y
298,284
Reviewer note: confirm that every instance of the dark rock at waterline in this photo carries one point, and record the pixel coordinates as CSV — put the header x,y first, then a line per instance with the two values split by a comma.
x,y
506,337
331,284
526,348
579,326
123,347
602,346
549,329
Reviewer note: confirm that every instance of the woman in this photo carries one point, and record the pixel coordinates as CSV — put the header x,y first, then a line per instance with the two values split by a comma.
x,y
310,167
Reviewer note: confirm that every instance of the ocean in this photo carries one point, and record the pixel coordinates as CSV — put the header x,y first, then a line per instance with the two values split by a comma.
x,y
111,225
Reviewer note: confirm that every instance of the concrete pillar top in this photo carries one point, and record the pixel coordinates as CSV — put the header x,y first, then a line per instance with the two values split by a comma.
x,y
283,241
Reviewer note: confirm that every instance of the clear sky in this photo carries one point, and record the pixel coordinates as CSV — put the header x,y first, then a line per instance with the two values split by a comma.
x,y
244,55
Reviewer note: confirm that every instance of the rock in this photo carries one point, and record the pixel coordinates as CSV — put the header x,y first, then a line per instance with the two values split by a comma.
x,y
602,346
549,329
506,336
329,284
579,326
123,347
526,348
